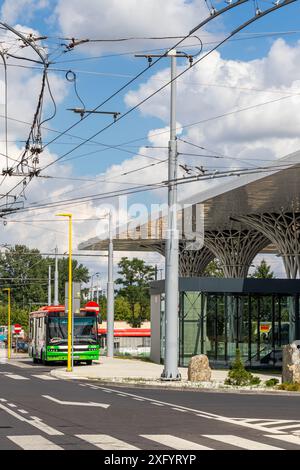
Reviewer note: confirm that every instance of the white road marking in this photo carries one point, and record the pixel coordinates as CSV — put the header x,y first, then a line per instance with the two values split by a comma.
x,y
286,438
156,404
247,423
174,442
105,442
17,377
33,422
76,403
21,365
240,442
35,442
274,423
44,377
288,426
24,412
12,405
2,400
179,409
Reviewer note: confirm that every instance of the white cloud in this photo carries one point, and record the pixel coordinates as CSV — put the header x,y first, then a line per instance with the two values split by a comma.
x,y
217,86
134,18
12,11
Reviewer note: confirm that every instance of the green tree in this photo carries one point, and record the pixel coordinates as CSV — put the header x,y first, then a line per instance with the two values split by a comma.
x,y
18,316
26,272
80,273
134,282
103,307
263,271
122,309
214,269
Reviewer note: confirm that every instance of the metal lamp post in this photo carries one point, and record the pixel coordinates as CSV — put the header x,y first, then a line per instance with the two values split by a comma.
x,y
70,314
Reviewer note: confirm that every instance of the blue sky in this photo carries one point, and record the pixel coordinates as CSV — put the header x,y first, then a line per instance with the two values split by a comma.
x,y
94,88
248,70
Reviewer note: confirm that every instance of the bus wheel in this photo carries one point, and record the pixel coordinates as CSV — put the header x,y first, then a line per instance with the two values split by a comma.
x,y
89,362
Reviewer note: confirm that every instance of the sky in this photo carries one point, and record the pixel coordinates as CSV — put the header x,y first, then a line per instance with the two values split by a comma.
x,y
241,102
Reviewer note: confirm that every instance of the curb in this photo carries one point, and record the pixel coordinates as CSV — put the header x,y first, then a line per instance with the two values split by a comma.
x,y
131,384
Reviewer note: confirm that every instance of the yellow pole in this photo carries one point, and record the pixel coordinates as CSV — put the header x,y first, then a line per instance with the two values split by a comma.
x,y
70,316
70,325
8,323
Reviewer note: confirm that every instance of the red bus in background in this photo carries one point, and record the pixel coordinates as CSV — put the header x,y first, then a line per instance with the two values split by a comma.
x,y
130,341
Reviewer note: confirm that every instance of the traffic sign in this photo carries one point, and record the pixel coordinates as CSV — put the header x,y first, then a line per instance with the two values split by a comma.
x,y
17,329
91,305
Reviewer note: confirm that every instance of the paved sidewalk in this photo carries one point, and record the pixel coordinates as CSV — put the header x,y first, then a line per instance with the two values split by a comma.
x,y
135,371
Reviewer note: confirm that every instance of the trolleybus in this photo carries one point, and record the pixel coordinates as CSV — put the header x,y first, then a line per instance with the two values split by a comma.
x,y
48,334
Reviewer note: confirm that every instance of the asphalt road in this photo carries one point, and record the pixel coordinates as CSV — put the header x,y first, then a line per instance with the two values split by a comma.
x,y
40,412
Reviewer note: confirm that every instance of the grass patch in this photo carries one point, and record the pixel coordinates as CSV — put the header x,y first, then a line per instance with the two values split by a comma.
x,y
289,387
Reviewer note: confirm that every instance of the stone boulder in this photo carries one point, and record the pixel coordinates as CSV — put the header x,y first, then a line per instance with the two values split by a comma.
x,y
291,363
198,369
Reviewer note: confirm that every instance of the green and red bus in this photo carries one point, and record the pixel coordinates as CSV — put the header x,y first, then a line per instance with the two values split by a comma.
x,y
48,334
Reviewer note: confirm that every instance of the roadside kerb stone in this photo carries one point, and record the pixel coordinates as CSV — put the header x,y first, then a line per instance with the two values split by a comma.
x,y
137,373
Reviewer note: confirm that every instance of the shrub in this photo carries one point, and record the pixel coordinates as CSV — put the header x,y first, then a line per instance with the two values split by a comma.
x,y
254,380
271,382
289,387
238,375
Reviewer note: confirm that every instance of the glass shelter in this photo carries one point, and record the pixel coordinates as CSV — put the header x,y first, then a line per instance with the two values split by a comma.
x,y
217,316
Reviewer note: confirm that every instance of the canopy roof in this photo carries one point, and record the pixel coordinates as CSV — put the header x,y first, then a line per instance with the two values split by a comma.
x,y
274,189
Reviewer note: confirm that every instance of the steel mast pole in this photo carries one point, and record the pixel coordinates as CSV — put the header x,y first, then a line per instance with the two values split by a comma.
x,y
56,279
171,371
8,290
49,285
110,293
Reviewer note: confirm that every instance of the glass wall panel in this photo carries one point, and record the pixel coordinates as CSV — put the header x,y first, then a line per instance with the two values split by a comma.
x,y
211,327
232,342
218,324
243,327
265,328
221,328
285,306
190,327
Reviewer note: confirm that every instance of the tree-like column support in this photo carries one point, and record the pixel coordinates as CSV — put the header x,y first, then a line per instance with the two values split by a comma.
x,y
192,263
283,230
235,249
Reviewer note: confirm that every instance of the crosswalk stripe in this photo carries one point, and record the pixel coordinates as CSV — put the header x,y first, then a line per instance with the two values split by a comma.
x,y
285,438
174,442
240,442
44,377
106,442
21,365
35,442
16,377
288,426
274,423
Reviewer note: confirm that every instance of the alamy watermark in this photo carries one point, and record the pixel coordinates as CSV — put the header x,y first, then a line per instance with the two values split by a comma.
x,y
139,221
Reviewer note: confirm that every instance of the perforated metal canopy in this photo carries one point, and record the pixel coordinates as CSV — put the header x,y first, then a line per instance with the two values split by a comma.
x,y
274,189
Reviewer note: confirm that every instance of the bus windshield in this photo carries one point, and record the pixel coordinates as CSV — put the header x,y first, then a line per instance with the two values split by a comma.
x,y
85,330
